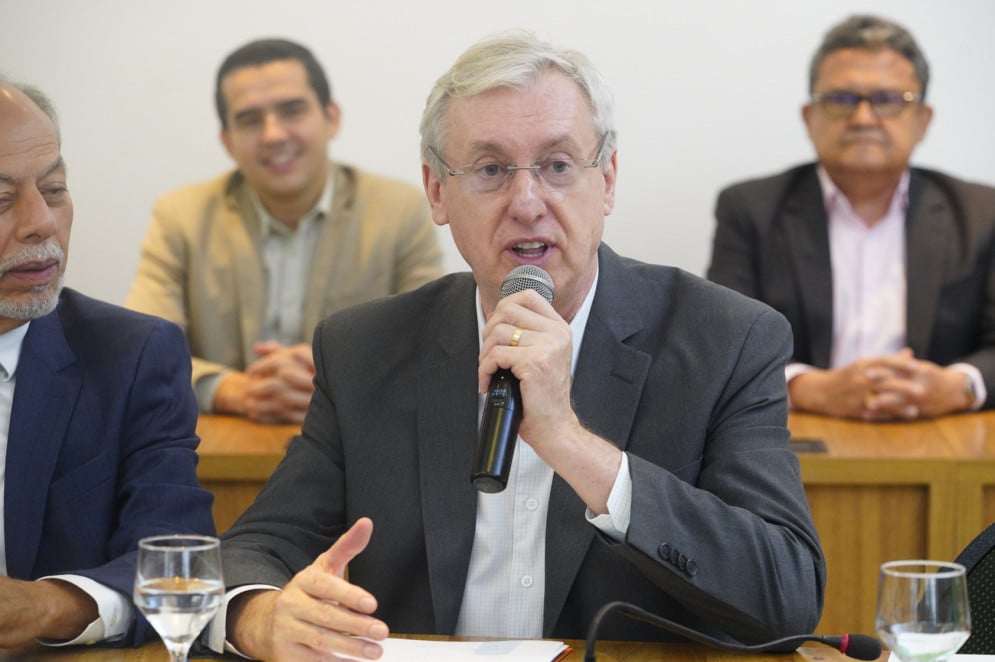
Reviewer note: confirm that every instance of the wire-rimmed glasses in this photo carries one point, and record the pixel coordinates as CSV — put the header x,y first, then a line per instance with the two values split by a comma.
x,y
885,103
558,171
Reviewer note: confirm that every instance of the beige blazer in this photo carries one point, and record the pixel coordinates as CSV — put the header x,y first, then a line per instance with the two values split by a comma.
x,y
201,263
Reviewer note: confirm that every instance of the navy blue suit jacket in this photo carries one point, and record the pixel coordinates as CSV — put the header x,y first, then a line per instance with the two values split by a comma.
x,y
101,449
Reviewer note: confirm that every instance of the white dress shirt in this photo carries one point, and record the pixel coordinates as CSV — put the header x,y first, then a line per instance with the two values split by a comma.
x,y
10,352
868,267
115,613
506,581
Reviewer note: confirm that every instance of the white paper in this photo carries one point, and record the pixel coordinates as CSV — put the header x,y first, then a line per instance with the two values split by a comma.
x,y
419,650
955,658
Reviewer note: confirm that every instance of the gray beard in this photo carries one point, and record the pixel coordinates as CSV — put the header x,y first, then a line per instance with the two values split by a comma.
x,y
38,304
43,299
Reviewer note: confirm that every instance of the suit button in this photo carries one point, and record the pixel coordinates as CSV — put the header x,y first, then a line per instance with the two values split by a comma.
x,y
692,568
664,551
682,562
675,556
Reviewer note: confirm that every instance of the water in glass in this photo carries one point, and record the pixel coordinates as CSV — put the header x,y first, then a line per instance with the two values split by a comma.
x,y
923,613
178,587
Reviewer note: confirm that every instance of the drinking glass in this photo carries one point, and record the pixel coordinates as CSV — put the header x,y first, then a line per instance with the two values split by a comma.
x,y
923,613
178,587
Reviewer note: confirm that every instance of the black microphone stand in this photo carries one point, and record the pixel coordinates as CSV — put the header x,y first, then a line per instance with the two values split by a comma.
x,y
858,646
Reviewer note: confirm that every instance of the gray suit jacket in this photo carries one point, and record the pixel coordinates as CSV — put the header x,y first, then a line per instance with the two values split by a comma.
x,y
201,264
772,243
685,376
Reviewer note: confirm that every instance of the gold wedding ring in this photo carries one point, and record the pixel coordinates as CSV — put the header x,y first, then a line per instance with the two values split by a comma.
x,y
516,336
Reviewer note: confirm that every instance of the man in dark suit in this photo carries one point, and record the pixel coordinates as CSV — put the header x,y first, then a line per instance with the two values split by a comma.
x,y
884,271
97,416
652,464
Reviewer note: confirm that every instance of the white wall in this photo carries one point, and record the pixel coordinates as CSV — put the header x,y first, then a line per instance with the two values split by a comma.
x,y
708,92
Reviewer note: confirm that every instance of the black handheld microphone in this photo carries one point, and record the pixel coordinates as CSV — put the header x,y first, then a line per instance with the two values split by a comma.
x,y
859,646
503,408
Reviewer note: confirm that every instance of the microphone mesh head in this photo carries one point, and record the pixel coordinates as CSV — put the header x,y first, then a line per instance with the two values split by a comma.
x,y
862,647
528,277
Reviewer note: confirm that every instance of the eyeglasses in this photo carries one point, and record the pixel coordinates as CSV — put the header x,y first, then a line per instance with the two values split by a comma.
x,y
884,103
557,172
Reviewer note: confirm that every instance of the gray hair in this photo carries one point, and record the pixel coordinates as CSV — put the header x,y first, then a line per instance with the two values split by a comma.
x,y
514,59
38,98
872,33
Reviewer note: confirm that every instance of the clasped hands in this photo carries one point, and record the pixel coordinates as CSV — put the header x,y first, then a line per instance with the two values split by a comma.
x,y
897,387
275,388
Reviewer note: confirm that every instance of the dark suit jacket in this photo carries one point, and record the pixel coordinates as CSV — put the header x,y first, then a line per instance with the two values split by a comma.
x,y
772,243
685,376
101,448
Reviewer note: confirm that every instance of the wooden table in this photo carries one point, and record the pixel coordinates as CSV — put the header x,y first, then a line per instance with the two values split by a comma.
x,y
887,491
236,458
607,651
882,491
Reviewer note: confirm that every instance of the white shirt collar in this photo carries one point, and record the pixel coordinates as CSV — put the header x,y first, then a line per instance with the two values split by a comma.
x,y
322,209
833,198
10,348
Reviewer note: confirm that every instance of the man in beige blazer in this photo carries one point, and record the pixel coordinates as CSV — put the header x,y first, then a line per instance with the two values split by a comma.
x,y
249,262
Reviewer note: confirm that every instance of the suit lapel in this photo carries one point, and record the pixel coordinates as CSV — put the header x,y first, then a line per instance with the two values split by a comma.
x,y
927,236
447,441
44,398
607,386
329,263
806,229
248,286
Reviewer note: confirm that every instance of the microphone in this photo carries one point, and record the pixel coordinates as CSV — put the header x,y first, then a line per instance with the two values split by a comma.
x,y
503,408
859,646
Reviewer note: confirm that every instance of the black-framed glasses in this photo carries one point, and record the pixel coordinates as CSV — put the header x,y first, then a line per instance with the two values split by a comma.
x,y
557,172
884,103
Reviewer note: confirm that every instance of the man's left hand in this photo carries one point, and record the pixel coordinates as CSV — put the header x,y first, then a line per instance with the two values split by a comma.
x,y
281,382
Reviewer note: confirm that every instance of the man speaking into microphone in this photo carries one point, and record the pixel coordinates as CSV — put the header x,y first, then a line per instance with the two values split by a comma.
x,y
651,463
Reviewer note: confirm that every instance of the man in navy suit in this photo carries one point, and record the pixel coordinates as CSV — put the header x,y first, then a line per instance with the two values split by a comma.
x,y
97,416
886,272
652,464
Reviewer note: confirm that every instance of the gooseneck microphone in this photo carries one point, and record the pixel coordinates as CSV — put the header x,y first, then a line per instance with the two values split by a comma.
x,y
503,408
859,646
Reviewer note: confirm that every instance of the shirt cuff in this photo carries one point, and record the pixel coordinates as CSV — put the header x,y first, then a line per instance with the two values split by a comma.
x,y
977,382
615,524
791,371
205,388
115,613
217,637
